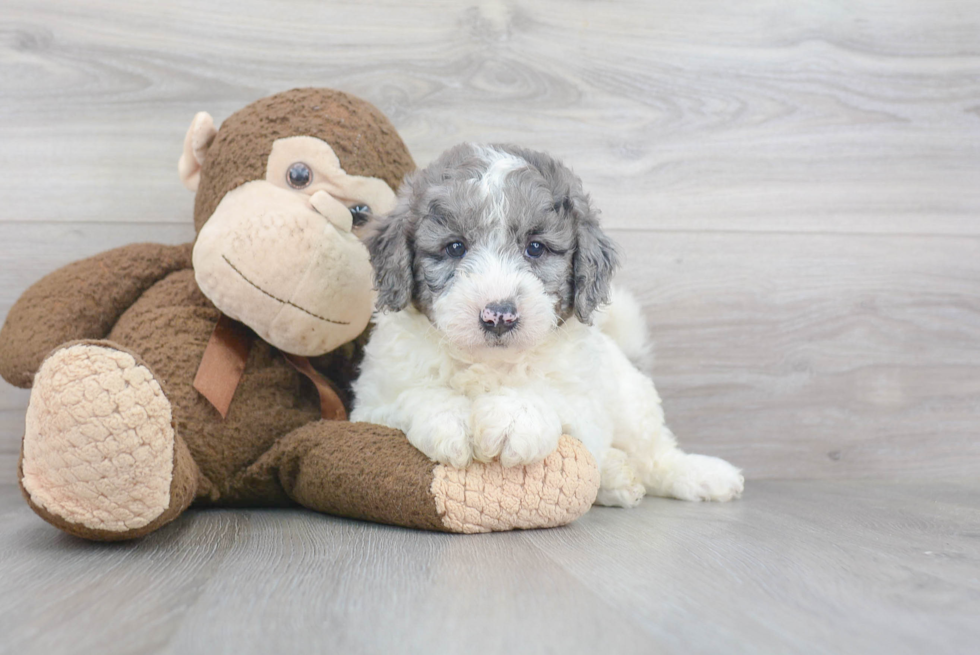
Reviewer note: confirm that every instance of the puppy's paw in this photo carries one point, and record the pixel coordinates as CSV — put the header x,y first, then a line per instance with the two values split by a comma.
x,y
518,430
443,434
619,485
700,477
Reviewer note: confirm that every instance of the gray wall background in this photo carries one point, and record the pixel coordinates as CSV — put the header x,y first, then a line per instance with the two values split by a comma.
x,y
796,185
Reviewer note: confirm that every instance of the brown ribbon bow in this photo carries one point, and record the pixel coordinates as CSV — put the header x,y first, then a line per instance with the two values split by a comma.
x,y
223,365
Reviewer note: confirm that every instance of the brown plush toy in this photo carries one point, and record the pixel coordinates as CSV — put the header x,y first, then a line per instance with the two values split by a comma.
x,y
217,373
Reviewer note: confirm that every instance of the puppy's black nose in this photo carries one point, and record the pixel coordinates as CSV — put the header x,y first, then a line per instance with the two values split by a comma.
x,y
499,317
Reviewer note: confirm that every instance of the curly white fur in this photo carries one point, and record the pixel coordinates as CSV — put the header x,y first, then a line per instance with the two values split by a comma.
x,y
577,380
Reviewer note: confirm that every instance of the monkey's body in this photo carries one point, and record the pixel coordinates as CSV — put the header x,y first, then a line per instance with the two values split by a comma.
x,y
224,451
272,438
119,442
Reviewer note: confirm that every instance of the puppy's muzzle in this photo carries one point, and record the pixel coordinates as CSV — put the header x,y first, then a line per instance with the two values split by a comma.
x,y
499,317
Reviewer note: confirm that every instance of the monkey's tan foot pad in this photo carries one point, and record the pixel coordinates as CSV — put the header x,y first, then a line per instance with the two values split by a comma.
x,y
99,444
491,498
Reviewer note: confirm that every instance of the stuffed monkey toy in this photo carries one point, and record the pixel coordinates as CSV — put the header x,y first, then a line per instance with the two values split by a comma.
x,y
218,373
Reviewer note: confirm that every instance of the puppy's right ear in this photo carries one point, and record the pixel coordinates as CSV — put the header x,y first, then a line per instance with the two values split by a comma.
x,y
391,257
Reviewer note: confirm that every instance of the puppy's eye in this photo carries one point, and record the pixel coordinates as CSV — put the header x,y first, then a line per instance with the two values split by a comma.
x,y
535,249
299,175
360,214
456,249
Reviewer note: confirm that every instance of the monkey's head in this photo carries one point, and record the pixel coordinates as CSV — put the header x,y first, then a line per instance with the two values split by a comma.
x,y
284,188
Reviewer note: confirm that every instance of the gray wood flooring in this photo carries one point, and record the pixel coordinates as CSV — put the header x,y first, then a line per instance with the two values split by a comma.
x,y
796,186
795,567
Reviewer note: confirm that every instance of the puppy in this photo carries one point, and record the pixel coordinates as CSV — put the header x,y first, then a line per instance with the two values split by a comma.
x,y
489,272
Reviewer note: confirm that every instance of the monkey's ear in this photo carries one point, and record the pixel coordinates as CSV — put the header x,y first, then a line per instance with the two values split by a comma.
x,y
391,257
196,143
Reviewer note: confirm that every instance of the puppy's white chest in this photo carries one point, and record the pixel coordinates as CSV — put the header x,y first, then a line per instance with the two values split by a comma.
x,y
472,380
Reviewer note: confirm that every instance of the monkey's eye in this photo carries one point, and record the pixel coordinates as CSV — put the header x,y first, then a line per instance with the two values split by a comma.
x,y
535,249
360,214
456,249
299,175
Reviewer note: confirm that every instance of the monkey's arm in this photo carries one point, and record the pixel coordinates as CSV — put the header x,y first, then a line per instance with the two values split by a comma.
x,y
82,300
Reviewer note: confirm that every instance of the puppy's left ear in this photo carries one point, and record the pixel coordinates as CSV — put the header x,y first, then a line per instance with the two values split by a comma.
x,y
595,259
391,257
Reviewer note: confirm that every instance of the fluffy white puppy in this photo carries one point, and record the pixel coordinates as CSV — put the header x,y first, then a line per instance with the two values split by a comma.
x,y
492,273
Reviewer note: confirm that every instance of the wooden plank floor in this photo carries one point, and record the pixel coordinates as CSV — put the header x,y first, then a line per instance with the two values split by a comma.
x,y
794,567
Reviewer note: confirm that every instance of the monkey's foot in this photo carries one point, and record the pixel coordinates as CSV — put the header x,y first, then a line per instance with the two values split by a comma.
x,y
373,473
490,497
98,458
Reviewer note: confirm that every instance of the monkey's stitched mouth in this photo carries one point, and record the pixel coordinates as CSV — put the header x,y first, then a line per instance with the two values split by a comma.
x,y
280,300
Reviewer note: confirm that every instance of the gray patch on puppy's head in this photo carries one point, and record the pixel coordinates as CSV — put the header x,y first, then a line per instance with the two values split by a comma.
x,y
496,200
595,257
